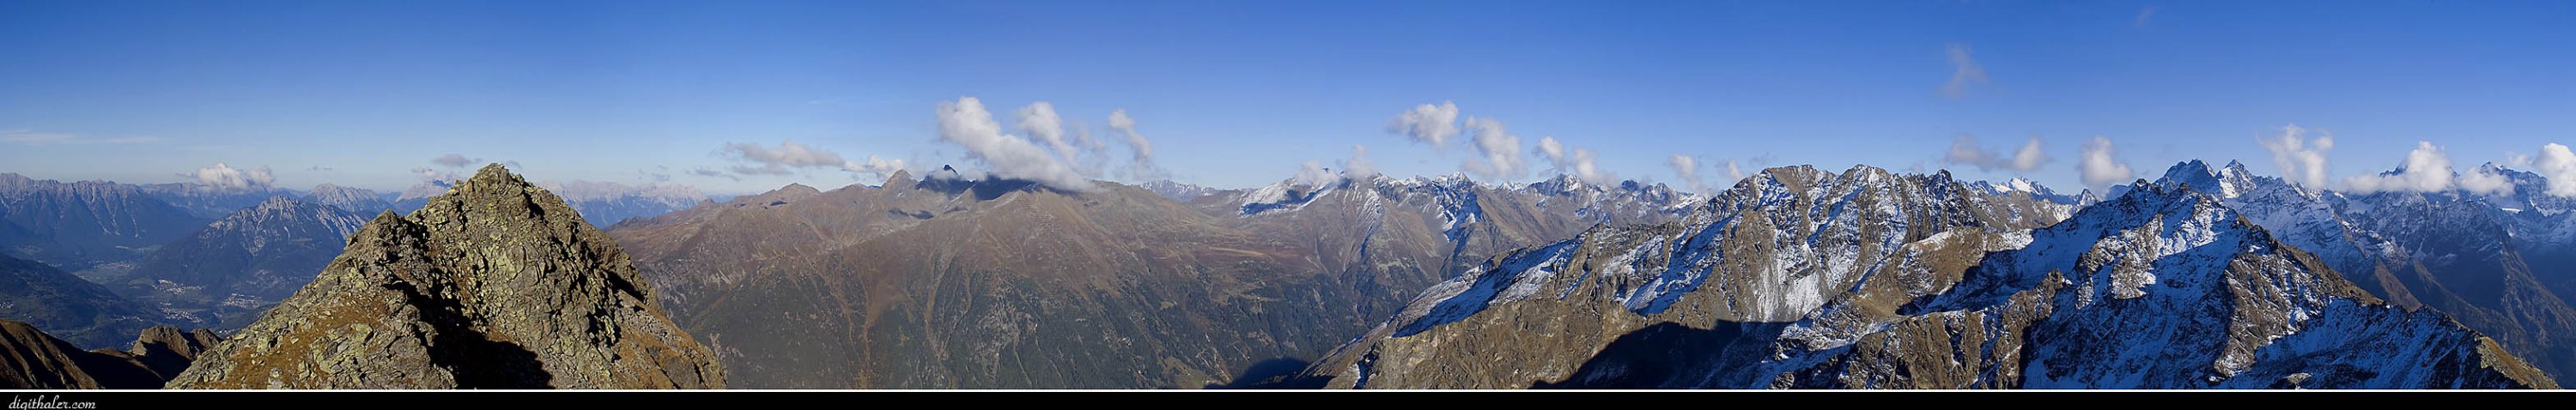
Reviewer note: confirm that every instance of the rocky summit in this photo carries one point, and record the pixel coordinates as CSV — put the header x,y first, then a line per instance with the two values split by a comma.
x,y
494,284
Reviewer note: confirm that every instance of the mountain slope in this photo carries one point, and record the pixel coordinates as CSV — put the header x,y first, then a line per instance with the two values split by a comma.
x,y
1791,280
2456,252
355,200
944,282
31,359
495,284
224,275
85,313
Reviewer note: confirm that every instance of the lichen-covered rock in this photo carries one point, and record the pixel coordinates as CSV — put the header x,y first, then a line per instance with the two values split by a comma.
x,y
495,284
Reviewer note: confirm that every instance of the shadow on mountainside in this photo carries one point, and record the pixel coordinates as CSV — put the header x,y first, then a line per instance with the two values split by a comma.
x,y
477,361
1284,373
1670,355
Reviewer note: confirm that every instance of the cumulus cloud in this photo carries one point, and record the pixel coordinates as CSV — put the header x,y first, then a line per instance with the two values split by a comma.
x,y
2486,181
1429,124
1965,151
790,156
1688,169
1965,71
1039,121
2097,167
1359,166
1314,174
2301,160
226,177
777,161
454,161
966,123
37,139
1733,173
2428,169
1499,151
705,172
1140,151
2559,166
1575,160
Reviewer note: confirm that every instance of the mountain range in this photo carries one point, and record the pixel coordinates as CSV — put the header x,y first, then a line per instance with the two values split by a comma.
x,y
946,282
1797,278
2208,277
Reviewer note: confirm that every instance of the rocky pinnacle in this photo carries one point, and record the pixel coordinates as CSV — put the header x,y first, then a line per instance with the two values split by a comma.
x,y
494,284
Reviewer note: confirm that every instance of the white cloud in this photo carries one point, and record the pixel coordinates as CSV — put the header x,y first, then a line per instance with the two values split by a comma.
x,y
2301,160
2097,167
2143,15
1039,121
1429,124
1140,150
1965,151
1359,166
777,161
2559,166
790,156
704,172
1500,151
1688,169
1965,71
2485,181
227,177
880,167
37,139
1577,160
2428,169
1733,173
454,161
1313,174
966,123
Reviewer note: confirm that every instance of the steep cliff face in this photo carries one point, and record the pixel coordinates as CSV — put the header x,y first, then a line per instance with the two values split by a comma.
x,y
495,284
31,359
1868,281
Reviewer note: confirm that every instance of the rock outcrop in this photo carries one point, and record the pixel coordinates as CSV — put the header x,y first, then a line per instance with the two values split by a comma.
x,y
494,284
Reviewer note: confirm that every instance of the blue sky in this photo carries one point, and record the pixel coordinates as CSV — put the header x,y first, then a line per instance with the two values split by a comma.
x,y
1237,93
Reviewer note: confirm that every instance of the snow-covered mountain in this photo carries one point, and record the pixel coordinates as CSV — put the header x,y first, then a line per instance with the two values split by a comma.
x,y
77,225
357,200
1800,278
2467,255
1628,202
211,202
607,203
1178,191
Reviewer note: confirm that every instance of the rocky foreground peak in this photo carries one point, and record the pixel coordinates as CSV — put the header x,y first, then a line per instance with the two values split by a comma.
x,y
495,284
